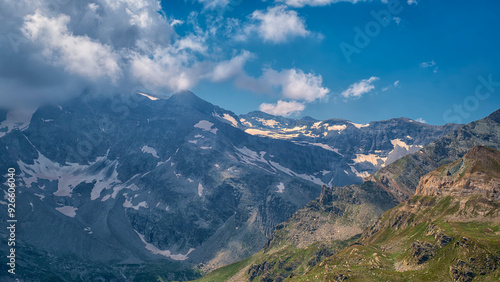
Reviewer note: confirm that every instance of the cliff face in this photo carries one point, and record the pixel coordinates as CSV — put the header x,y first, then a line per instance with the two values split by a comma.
x,y
477,173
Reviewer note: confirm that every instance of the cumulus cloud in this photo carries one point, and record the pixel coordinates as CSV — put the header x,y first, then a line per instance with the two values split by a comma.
x,y
111,46
230,68
116,46
60,48
289,83
282,108
278,24
76,54
292,84
421,120
412,2
295,84
358,89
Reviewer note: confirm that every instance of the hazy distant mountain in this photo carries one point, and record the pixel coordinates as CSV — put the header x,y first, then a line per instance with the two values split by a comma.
x,y
364,147
114,181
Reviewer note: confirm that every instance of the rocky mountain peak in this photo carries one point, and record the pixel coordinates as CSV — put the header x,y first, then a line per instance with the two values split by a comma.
x,y
476,173
495,116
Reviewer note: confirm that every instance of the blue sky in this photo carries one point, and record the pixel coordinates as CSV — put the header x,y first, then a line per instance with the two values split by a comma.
x,y
427,60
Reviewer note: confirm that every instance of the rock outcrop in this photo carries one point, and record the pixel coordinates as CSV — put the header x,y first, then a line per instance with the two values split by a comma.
x,y
477,173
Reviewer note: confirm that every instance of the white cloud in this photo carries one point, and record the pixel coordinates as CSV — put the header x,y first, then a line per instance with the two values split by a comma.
x,y
76,54
297,85
121,45
282,108
412,2
290,83
358,89
214,4
192,42
396,83
429,64
278,24
230,68
397,20
175,22
421,120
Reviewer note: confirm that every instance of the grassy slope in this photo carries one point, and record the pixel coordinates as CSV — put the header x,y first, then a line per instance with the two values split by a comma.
x,y
281,262
383,253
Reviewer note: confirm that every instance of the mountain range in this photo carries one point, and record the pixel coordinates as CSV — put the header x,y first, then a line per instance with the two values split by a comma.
x,y
458,193
139,187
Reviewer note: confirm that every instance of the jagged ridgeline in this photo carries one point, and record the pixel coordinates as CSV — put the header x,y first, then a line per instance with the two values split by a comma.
x,y
297,249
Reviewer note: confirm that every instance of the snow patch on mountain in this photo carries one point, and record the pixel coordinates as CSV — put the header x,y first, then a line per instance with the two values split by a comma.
x,y
231,119
206,125
281,187
326,147
359,126
311,178
128,203
359,174
249,156
149,150
40,196
67,210
371,158
166,253
338,128
400,150
270,134
125,185
148,96
16,119
102,171
268,122
316,125
200,189
297,128
245,122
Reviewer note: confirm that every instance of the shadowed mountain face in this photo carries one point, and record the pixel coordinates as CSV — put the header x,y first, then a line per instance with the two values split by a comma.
x,y
138,180
319,229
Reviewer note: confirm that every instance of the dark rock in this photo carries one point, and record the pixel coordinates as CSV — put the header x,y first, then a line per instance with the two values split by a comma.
x,y
340,277
422,252
461,272
443,239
